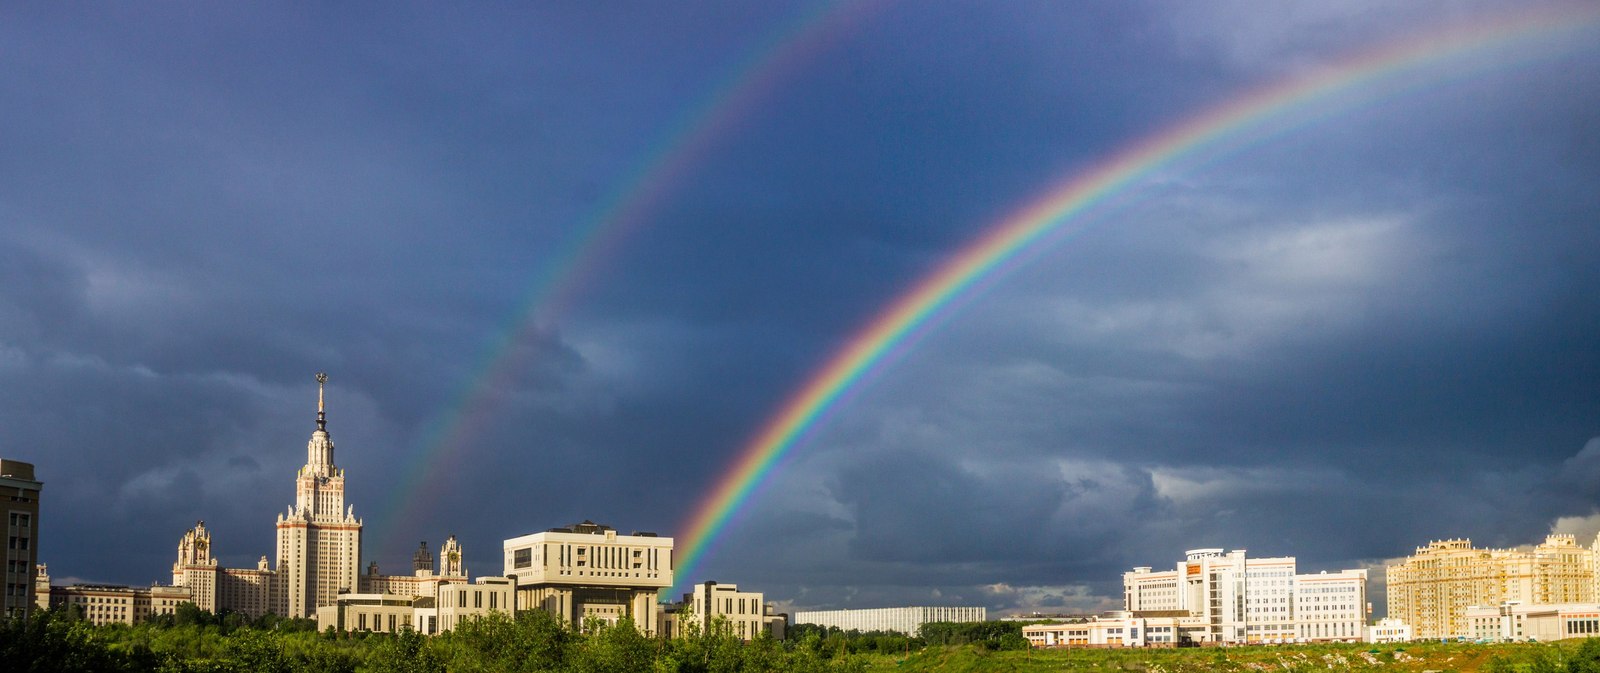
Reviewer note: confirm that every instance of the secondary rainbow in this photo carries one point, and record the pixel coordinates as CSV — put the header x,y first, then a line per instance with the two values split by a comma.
x,y
593,242
1044,218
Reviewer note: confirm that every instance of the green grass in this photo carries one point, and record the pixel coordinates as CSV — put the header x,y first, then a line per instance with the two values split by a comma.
x,y
1404,658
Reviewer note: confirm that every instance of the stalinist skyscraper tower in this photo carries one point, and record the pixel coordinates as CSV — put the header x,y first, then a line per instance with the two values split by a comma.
x,y
319,539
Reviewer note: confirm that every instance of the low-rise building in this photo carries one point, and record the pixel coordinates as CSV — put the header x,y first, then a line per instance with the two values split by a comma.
x,y
1389,630
1513,621
381,613
908,620
746,613
102,604
1120,629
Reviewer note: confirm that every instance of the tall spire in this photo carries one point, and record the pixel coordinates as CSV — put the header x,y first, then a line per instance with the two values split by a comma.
x,y
322,416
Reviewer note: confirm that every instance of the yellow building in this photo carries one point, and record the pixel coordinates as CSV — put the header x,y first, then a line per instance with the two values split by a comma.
x,y
1432,589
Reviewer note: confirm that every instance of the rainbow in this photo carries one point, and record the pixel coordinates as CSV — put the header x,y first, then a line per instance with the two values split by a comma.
x,y
1004,242
668,163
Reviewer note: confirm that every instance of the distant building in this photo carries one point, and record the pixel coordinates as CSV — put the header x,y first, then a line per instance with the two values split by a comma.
x,y
1389,630
1252,600
19,497
1432,589
1119,629
903,620
1514,621
318,552
746,613
101,604
588,571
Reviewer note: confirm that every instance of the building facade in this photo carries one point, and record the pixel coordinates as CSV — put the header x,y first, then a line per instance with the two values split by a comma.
x,y
1251,600
907,620
1119,629
1389,630
1524,622
19,498
746,613
1432,589
588,571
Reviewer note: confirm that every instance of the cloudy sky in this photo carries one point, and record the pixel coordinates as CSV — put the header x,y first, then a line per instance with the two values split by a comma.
x,y
1372,322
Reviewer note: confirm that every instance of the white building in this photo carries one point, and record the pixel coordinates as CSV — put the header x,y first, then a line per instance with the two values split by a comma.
x,y
903,620
588,571
1246,600
1118,629
1389,630
1514,621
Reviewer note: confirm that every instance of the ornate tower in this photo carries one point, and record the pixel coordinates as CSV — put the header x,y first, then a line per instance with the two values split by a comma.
x,y
319,538
450,564
195,567
422,561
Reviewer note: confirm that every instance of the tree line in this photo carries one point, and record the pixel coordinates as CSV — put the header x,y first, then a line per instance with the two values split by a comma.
x,y
196,641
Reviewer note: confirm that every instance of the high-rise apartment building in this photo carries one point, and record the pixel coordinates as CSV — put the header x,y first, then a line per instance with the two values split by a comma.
x,y
1432,589
19,498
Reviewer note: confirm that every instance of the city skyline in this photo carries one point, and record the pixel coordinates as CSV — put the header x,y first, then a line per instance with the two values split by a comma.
x,y
571,264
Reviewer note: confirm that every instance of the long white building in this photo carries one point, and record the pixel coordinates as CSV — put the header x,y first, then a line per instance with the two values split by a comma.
x,y
904,620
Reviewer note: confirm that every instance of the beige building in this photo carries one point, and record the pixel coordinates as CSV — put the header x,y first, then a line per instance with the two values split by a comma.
x,y
902,620
588,571
102,604
746,613
1432,589
423,581
458,602
319,538
1252,600
380,613
19,498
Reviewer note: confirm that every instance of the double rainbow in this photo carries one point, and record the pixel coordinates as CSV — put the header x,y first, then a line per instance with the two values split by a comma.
x,y
594,241
1006,240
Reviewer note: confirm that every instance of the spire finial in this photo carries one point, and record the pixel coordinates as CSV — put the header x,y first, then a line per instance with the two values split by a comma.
x,y
322,419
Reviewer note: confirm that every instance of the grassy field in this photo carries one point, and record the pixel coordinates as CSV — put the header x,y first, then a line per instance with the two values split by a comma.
x,y
1409,657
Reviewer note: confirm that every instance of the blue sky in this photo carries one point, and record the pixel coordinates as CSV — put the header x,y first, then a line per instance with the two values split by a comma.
x,y
1371,331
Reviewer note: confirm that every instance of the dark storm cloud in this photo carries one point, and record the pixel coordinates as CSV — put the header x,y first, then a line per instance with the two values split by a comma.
x,y
1380,322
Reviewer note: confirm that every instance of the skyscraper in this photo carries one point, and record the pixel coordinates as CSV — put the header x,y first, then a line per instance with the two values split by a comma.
x,y
319,538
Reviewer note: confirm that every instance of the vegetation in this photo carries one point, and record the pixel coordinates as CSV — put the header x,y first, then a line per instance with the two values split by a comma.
x,y
194,641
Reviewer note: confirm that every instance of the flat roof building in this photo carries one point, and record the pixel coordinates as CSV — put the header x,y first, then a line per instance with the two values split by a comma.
x,y
588,571
19,498
908,620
